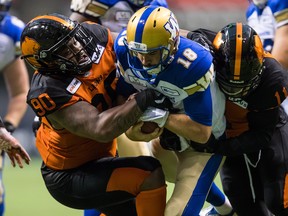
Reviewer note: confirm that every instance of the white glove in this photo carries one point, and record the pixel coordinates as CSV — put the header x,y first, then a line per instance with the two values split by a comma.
x,y
156,115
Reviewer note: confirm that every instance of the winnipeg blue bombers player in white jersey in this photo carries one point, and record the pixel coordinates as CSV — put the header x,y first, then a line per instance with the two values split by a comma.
x,y
15,75
269,18
151,54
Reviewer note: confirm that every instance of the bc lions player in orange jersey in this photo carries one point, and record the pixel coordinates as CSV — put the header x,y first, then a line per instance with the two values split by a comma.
x,y
73,91
254,175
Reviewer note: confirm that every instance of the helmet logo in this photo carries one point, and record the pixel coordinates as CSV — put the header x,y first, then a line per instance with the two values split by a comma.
x,y
31,46
172,26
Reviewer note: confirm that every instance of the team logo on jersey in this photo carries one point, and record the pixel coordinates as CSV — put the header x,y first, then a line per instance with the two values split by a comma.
x,y
135,80
97,56
172,91
74,86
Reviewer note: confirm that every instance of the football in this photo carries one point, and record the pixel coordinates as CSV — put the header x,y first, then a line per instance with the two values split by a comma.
x,y
149,127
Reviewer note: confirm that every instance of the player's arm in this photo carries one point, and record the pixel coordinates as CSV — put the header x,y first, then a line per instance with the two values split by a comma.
x,y
85,120
17,82
280,47
261,128
183,125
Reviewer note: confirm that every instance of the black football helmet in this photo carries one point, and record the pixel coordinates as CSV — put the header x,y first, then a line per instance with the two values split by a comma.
x,y
45,37
238,59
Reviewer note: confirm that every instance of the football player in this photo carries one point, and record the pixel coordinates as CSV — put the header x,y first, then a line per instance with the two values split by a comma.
x,y
73,91
269,18
254,175
115,16
152,55
15,76
111,14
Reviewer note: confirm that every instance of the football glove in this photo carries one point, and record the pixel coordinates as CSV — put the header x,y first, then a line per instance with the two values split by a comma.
x,y
151,98
200,37
152,114
171,141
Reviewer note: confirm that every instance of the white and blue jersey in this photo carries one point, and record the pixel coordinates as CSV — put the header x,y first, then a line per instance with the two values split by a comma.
x,y
265,21
10,32
188,84
191,87
113,14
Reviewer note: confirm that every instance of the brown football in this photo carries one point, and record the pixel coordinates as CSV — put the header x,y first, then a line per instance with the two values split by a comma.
x,y
149,127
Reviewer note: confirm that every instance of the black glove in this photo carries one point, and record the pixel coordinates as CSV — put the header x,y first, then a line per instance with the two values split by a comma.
x,y
170,141
200,37
150,97
36,124
210,146
9,126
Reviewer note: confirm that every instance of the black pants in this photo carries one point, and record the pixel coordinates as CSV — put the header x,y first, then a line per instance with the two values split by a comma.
x,y
267,178
87,187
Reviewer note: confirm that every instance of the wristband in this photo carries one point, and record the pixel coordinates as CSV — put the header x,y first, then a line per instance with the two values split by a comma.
x,y
1,123
9,126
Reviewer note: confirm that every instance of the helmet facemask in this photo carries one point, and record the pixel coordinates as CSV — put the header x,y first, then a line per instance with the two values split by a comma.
x,y
147,73
238,90
63,54
151,29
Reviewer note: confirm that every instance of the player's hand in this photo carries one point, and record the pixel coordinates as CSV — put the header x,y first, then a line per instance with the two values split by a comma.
x,y
134,133
13,148
151,98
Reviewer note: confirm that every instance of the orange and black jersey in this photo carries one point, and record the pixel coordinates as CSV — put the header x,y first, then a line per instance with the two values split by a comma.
x,y
61,149
251,121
